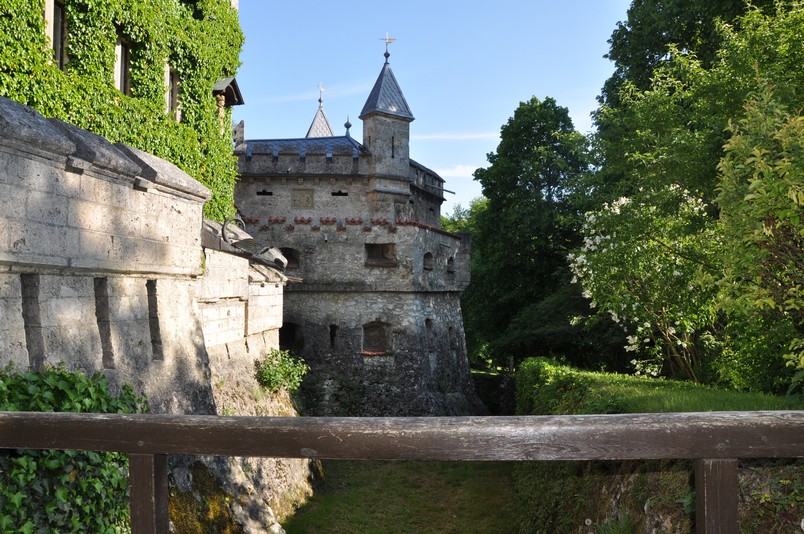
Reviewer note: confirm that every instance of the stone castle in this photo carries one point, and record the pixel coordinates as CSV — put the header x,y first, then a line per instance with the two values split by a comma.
x,y
373,303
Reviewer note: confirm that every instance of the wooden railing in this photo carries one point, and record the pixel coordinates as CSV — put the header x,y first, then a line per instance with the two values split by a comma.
x,y
714,441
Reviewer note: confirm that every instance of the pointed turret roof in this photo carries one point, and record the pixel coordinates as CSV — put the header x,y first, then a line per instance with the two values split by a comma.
x,y
320,126
386,96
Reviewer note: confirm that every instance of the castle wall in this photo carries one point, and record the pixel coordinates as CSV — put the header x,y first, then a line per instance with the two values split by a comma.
x,y
368,261
102,270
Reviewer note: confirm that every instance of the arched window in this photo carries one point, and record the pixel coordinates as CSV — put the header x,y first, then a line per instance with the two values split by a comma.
x,y
451,264
376,338
290,337
428,261
293,256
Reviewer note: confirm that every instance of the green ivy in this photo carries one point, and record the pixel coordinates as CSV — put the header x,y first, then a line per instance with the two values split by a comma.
x,y
200,39
63,491
279,369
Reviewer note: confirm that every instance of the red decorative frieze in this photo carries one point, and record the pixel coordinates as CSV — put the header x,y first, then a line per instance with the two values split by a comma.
x,y
353,220
328,220
302,220
277,220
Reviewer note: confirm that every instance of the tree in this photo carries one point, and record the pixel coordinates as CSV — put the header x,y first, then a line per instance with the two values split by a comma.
x,y
662,148
762,219
520,301
643,42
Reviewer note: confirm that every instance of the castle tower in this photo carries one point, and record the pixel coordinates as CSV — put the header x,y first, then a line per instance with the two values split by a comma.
x,y
386,124
373,303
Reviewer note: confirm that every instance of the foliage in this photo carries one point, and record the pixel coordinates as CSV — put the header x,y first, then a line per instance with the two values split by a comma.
x,y
545,386
666,248
63,491
561,496
762,194
654,275
279,369
529,196
642,43
200,40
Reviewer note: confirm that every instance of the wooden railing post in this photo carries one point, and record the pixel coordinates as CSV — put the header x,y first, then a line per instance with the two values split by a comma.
x,y
716,496
149,493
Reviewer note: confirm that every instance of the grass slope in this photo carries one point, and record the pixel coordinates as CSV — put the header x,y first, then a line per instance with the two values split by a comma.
x,y
407,497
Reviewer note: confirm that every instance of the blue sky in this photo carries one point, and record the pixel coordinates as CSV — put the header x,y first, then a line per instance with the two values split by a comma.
x,y
464,67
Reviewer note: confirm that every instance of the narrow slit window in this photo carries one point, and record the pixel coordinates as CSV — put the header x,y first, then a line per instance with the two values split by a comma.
x,y
58,34
153,321
122,66
340,194
103,319
34,339
265,193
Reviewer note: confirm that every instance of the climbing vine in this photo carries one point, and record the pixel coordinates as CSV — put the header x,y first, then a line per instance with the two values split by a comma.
x,y
199,39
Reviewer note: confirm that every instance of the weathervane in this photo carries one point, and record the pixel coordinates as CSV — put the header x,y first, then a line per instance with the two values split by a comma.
x,y
321,94
388,40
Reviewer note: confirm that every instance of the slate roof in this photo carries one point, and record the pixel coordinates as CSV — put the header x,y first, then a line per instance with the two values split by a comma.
x,y
328,146
386,96
320,126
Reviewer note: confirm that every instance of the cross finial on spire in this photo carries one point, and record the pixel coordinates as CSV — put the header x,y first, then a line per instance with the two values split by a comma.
x,y
388,40
321,94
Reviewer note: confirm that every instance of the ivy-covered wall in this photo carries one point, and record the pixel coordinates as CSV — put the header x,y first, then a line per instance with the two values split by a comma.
x,y
199,39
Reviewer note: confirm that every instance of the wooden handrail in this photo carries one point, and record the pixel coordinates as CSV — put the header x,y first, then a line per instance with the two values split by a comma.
x,y
715,440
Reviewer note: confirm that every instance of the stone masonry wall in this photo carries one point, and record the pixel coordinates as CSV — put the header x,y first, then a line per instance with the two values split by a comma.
x,y
102,270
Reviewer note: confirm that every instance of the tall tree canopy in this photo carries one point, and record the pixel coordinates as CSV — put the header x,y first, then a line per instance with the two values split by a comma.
x,y
676,206
642,43
520,300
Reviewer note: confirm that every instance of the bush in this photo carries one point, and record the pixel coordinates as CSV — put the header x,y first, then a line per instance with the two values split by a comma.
x,y
279,369
63,491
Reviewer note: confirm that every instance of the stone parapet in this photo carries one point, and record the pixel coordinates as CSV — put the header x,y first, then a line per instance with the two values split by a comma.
x,y
70,201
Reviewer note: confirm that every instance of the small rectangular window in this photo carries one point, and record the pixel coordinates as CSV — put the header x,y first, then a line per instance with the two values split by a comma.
x,y
340,194
122,66
381,255
56,30
265,193
172,93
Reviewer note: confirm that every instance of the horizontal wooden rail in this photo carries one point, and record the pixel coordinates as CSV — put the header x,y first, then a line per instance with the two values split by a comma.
x,y
579,437
714,440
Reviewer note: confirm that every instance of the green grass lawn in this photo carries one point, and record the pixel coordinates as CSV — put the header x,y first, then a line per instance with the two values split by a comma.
x,y
408,497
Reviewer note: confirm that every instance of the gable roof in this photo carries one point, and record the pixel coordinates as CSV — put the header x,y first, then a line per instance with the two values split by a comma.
x,y
386,96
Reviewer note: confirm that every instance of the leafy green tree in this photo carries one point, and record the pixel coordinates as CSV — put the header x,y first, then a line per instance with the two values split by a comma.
x,y
642,43
520,301
762,215
662,147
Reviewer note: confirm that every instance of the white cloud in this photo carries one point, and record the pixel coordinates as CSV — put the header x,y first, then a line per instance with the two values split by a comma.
x,y
456,171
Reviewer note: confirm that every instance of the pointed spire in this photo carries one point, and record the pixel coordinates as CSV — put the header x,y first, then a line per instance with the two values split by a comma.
x,y
320,126
386,96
